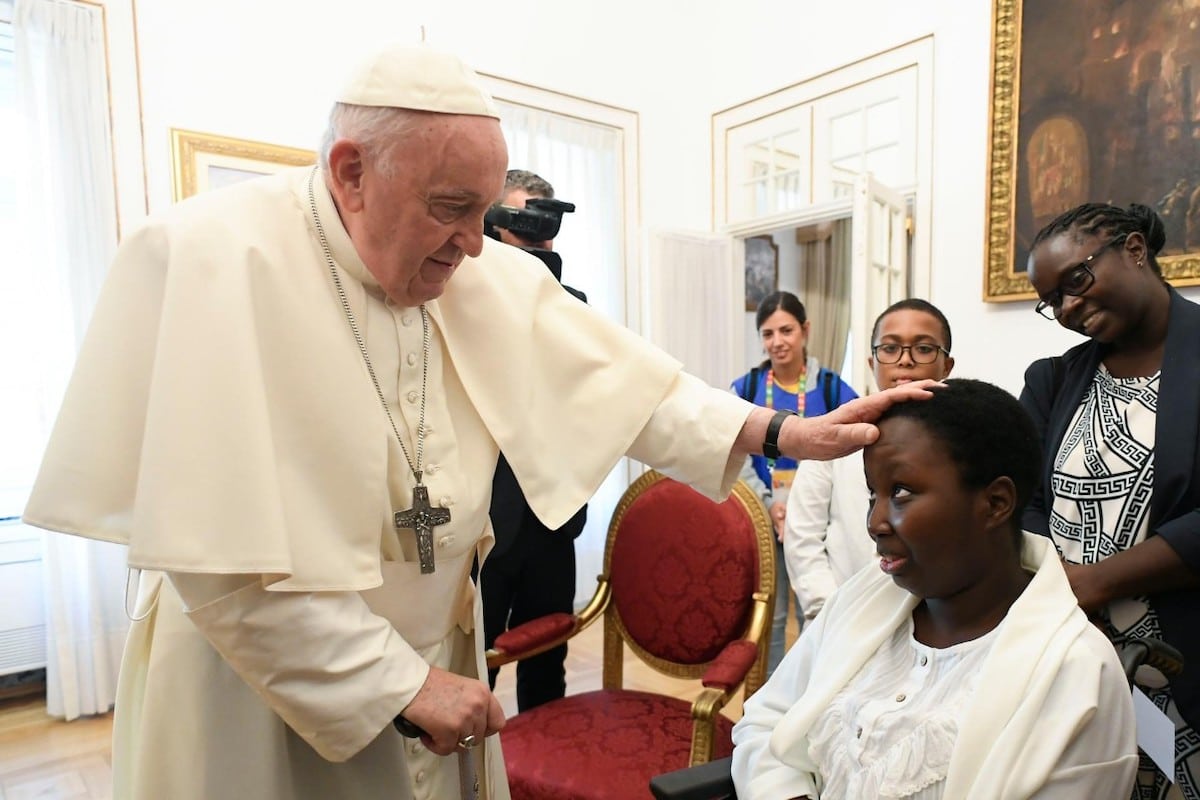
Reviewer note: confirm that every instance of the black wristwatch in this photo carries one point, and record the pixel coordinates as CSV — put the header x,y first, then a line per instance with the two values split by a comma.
x,y
770,446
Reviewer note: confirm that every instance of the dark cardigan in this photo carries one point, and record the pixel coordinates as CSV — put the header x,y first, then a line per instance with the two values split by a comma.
x,y
1051,396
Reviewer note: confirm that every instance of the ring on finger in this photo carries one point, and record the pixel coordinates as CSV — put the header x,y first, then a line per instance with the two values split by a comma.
x,y
467,742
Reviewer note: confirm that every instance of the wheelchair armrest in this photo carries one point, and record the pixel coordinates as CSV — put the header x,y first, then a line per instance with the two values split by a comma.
x,y
711,781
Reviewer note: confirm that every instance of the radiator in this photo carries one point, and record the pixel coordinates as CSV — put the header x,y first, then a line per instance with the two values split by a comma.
x,y
22,606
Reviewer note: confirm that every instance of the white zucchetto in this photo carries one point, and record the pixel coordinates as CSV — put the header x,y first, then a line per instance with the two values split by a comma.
x,y
418,77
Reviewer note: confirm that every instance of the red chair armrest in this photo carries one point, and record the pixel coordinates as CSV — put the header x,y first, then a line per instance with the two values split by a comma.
x,y
535,634
731,665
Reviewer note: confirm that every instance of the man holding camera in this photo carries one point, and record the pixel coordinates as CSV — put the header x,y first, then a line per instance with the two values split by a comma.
x,y
531,570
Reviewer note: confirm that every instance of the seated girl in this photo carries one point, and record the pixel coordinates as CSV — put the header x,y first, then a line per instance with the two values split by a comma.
x,y
963,666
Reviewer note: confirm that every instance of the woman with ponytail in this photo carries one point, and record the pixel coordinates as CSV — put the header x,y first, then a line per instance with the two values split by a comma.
x,y
789,379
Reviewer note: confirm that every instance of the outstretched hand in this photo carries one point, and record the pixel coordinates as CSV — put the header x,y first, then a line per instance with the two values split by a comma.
x,y
847,428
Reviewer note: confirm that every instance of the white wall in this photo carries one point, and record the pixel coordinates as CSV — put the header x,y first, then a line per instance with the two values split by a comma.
x,y
266,71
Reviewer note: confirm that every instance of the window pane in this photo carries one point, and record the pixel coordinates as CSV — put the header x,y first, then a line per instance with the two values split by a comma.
x,y
788,191
885,165
789,151
883,123
845,135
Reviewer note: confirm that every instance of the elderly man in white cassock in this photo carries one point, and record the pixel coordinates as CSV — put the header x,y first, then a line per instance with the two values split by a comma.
x,y
290,404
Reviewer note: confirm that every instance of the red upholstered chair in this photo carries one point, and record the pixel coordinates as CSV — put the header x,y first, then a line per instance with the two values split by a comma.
x,y
687,587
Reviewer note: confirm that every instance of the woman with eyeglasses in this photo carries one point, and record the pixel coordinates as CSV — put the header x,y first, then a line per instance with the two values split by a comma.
x,y
1119,417
823,538
792,380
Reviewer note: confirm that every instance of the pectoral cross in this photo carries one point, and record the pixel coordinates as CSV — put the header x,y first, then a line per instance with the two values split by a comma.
x,y
421,519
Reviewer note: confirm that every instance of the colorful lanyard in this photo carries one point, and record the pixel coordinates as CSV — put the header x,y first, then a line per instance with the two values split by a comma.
x,y
771,400
799,392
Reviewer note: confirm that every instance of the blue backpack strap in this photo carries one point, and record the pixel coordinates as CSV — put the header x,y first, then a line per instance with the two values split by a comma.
x,y
750,387
832,396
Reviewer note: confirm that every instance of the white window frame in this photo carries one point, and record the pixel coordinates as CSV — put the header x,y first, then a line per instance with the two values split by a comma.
x,y
917,54
622,119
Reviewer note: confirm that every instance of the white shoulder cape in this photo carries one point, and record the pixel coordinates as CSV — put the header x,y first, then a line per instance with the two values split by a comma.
x,y
220,418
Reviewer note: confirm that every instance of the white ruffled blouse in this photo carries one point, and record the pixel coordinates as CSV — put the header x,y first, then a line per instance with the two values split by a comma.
x,y
890,732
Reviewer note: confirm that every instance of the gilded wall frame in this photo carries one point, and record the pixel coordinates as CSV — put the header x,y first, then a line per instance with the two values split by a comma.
x,y
203,161
1091,102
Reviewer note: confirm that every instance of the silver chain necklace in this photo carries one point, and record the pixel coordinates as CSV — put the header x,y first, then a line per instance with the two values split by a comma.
x,y
422,517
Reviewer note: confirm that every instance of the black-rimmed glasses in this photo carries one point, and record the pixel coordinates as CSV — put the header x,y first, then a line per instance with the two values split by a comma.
x,y
891,353
1077,281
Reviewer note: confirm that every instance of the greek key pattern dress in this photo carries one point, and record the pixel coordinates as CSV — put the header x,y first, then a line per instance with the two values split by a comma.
x,y
1103,477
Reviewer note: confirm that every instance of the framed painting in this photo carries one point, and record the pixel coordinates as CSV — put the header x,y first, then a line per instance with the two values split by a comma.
x,y
203,161
762,269
1092,102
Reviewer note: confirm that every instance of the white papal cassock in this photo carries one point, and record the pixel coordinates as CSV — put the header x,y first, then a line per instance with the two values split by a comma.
x,y
221,422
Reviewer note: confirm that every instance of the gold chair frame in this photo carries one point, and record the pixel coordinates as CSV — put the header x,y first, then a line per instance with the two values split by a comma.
x,y
710,701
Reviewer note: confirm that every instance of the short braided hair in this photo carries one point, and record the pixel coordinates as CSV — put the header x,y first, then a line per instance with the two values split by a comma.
x,y
1108,222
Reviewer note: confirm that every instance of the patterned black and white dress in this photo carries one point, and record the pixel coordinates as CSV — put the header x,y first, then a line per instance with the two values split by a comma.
x,y
1103,476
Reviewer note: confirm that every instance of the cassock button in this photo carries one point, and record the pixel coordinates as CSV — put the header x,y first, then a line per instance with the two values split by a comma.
x,y
900,698
432,469
414,748
924,660
445,501
420,776
412,359
445,541
412,397
406,320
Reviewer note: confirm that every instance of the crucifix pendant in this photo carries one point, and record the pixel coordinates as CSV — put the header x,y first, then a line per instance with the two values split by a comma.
x,y
421,519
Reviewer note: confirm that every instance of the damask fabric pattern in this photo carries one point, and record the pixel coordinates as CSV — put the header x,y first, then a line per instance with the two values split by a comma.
x,y
683,598
1103,476
623,735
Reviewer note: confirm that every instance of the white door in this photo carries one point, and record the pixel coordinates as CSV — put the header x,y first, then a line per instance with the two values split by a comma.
x,y
878,264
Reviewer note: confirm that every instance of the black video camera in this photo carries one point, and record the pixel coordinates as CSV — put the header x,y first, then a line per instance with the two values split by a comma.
x,y
538,221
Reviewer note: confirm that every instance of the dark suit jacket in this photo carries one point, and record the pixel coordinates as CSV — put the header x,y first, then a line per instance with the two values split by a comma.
x,y
1175,502
510,513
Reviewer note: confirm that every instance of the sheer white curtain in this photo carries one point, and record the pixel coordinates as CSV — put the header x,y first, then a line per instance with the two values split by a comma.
x,y
692,315
825,291
582,161
69,232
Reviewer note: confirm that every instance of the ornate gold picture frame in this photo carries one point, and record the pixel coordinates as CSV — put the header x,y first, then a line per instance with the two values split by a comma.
x,y
203,161
1091,102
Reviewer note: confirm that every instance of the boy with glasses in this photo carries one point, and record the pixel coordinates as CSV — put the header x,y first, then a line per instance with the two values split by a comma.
x,y
825,539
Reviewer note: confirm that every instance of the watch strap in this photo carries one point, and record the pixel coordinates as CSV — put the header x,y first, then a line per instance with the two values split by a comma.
x,y
770,446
